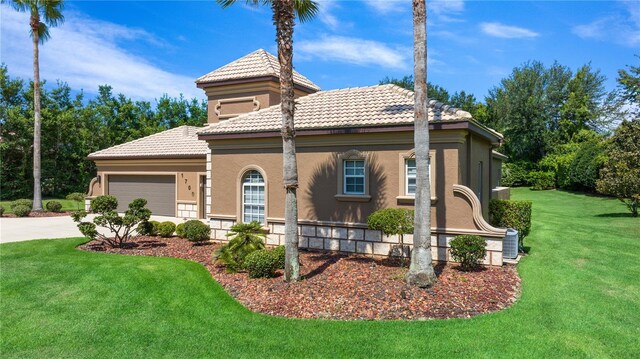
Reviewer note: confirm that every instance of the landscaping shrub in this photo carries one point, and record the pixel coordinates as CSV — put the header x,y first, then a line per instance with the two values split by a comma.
x,y
516,174
196,231
166,229
261,263
391,221
121,227
469,250
148,228
246,238
76,197
279,252
542,180
585,167
511,214
21,202
21,210
54,206
180,230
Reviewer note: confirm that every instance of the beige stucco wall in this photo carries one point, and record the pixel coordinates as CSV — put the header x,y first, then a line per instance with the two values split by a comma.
x,y
318,161
479,151
237,99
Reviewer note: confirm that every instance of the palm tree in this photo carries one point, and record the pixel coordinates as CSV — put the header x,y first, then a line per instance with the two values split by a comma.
x,y
44,13
421,272
284,14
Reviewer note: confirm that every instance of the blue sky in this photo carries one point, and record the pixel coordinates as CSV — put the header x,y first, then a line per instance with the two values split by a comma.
x,y
146,48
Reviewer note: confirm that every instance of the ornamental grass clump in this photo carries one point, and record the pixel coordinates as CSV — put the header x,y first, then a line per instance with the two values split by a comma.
x,y
246,238
469,250
121,227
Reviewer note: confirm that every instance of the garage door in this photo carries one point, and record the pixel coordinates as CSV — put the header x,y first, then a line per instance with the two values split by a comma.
x,y
159,191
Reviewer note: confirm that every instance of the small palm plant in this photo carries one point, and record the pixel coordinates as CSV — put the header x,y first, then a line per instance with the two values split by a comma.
x,y
247,238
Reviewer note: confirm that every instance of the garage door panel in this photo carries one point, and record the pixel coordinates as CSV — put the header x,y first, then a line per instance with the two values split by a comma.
x,y
159,191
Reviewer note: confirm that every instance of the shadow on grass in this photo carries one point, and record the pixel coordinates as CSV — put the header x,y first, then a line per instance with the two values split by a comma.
x,y
615,215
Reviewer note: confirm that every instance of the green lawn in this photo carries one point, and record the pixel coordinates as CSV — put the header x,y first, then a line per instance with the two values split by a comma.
x,y
580,298
67,205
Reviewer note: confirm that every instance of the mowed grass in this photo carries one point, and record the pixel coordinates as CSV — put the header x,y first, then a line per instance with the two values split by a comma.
x,y
580,298
67,205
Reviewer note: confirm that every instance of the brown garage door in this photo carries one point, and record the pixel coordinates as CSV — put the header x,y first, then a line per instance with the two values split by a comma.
x,y
159,191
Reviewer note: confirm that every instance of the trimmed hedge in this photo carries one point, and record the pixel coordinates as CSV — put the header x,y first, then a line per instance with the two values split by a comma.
x,y
391,221
180,230
21,210
511,214
261,263
469,250
21,202
542,180
166,229
54,206
280,254
196,231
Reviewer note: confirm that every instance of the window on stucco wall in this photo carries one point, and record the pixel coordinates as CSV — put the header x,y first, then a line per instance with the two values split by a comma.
x,y
253,197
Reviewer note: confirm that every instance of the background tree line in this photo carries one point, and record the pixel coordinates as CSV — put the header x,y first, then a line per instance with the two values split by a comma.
x,y
557,123
74,125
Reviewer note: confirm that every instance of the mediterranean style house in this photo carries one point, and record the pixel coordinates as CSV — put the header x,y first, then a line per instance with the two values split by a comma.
x,y
354,151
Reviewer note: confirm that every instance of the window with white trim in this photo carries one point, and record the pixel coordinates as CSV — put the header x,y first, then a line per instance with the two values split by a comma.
x,y
354,177
410,176
253,197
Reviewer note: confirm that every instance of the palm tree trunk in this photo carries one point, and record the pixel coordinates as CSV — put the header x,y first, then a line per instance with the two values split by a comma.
x,y
421,272
37,189
283,17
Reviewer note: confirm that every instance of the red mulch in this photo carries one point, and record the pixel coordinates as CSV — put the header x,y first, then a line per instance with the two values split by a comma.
x,y
340,286
39,214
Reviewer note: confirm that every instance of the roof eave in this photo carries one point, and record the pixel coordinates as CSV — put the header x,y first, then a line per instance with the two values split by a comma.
x,y
146,157
296,85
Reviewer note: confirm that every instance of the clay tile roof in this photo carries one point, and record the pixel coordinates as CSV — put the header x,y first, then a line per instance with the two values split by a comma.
x,y
374,106
179,142
259,63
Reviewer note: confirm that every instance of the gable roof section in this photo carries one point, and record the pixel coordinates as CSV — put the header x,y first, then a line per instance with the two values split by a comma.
x,y
373,106
257,64
179,142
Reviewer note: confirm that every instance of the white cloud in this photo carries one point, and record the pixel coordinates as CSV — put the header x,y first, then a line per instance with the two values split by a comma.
x,y
497,29
446,6
443,9
326,16
622,28
86,53
353,51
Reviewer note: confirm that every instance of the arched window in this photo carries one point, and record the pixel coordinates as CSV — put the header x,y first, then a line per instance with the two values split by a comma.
x,y
253,197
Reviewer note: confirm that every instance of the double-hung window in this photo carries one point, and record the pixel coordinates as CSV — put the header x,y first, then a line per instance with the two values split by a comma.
x,y
410,176
354,177
253,197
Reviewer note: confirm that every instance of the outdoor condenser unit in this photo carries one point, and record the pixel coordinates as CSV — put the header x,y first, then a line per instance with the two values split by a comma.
x,y
510,244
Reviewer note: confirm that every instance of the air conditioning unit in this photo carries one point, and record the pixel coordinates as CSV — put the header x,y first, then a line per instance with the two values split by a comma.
x,y
510,244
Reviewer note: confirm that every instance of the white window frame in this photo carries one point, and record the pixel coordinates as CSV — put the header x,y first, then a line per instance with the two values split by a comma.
x,y
243,203
363,176
407,176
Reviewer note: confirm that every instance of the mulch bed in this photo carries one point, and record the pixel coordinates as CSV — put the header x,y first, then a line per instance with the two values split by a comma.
x,y
346,287
39,214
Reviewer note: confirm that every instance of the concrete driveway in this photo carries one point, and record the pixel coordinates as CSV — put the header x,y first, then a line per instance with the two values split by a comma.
x,y
25,229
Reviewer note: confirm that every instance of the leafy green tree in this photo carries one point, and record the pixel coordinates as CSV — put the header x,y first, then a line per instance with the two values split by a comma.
x,y
436,92
284,14
43,14
629,83
621,173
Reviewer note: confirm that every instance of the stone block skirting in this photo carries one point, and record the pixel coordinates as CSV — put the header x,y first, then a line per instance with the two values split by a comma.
x,y
187,210
358,239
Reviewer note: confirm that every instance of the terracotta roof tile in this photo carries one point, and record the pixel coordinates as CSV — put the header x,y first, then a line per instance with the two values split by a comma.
x,y
259,63
381,105
177,142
